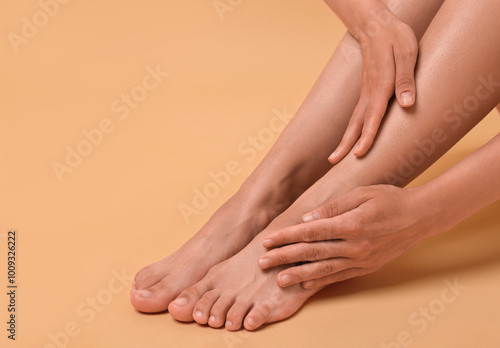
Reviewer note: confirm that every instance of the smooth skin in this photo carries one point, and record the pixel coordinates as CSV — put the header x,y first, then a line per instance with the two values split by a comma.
x,y
370,226
389,48
295,162
237,292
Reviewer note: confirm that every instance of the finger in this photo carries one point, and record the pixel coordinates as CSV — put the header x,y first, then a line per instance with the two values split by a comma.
x,y
370,129
334,278
355,126
339,206
351,135
303,252
319,230
382,92
312,271
405,75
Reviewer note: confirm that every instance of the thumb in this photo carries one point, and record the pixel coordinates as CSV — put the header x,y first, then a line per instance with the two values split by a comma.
x,y
405,80
339,206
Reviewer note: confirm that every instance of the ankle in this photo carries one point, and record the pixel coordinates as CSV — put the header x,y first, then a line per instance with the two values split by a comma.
x,y
249,210
266,200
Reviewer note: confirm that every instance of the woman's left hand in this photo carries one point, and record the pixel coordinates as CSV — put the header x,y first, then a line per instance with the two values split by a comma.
x,y
352,236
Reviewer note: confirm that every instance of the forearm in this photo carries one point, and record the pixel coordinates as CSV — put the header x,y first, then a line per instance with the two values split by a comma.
x,y
362,17
469,186
359,15
289,168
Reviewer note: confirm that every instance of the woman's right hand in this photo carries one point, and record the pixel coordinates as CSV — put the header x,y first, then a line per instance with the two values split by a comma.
x,y
390,49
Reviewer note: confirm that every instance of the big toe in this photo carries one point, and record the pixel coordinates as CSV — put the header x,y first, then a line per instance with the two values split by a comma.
x,y
150,275
152,299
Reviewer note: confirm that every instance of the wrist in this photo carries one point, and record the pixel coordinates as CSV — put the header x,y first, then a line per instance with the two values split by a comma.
x,y
361,17
429,205
370,22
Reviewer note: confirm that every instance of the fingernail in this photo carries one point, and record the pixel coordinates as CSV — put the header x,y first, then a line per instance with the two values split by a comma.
x,y
285,280
144,293
181,301
308,217
311,216
267,243
265,263
407,98
332,156
198,314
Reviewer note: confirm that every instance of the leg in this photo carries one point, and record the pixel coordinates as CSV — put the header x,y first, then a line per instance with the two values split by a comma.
x,y
458,40
293,164
281,177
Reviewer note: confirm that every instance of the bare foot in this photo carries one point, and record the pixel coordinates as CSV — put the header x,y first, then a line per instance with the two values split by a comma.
x,y
226,233
237,292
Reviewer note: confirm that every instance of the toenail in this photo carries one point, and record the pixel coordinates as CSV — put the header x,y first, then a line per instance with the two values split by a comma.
x,y
285,280
198,314
251,321
181,301
265,263
211,319
144,293
308,284
229,323
133,285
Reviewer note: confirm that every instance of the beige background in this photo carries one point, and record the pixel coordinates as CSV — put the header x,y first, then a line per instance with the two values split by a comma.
x,y
118,210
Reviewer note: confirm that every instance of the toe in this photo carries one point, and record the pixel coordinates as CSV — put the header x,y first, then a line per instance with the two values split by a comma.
x,y
150,275
152,299
236,314
202,309
183,306
258,316
219,310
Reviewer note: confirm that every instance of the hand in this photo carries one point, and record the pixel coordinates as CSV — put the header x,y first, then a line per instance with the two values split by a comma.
x,y
352,236
389,52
